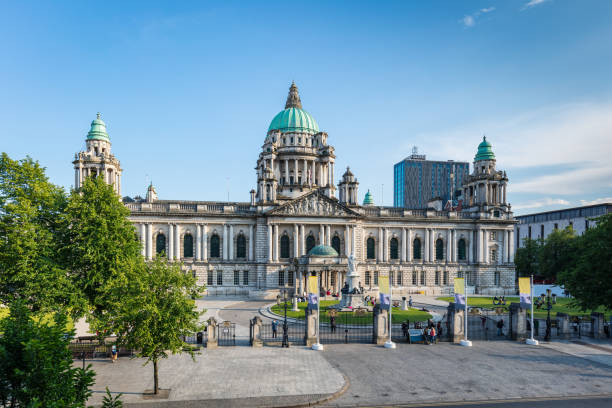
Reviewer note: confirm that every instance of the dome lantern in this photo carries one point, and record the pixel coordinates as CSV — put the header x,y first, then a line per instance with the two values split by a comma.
x,y
485,152
293,118
98,130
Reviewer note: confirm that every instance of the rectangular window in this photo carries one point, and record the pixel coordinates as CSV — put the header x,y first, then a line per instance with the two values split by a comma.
x,y
219,277
586,224
414,278
556,226
437,278
236,278
542,231
391,278
494,256
281,278
493,235
375,278
497,279
460,274
245,278
209,278
368,278
398,278
423,278
529,232
290,273
332,278
445,278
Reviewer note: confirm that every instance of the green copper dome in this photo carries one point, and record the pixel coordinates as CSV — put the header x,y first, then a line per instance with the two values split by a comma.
x,y
98,130
294,118
484,151
323,250
368,200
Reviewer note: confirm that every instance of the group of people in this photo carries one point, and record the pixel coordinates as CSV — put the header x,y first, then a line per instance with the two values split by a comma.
x,y
431,333
499,300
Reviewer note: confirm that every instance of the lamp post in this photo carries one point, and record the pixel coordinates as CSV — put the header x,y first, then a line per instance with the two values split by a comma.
x,y
284,296
547,297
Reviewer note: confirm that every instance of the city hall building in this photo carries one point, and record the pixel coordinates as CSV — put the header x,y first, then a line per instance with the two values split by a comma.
x,y
298,222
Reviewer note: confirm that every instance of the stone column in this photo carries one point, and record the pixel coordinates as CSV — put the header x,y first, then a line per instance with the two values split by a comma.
x,y
295,171
305,172
231,242
381,239
478,246
564,328
256,332
432,240
276,254
409,245
455,323
143,240
270,242
312,326
597,325
212,330
338,281
519,322
504,195
353,243
302,240
321,235
511,246
198,246
177,245
426,244
485,246
386,245
347,240
224,242
296,244
381,324
328,235
403,245
449,246
204,242
170,242
286,171
149,241
251,243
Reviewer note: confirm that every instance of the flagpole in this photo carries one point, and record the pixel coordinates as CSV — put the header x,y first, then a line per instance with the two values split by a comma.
x,y
390,344
531,341
465,342
318,346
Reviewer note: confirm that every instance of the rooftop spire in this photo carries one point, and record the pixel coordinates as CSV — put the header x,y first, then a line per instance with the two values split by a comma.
x,y
293,99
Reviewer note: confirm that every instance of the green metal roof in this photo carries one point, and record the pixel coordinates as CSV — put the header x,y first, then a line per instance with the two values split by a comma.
x,y
294,120
484,151
98,130
368,200
323,250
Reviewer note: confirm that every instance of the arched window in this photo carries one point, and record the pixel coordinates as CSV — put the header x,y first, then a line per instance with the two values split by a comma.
x,y
188,246
335,241
241,246
439,249
215,248
461,249
160,244
310,243
393,246
371,248
416,248
284,247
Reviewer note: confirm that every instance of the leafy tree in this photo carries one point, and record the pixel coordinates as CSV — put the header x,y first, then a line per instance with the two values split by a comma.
x,y
101,249
112,402
30,210
589,278
557,252
526,257
36,365
158,313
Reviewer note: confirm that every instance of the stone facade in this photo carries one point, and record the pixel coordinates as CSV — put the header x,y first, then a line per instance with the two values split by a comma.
x,y
257,247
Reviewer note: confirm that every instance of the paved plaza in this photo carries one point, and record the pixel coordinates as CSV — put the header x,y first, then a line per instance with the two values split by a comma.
x,y
360,374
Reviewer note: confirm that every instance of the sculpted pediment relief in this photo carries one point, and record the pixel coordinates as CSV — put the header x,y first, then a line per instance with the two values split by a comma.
x,y
314,204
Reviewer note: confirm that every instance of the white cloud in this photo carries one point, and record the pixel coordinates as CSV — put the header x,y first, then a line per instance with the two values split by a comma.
x,y
470,20
605,200
540,203
533,3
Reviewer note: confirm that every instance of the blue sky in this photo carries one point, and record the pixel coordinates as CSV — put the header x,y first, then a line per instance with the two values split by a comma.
x,y
188,89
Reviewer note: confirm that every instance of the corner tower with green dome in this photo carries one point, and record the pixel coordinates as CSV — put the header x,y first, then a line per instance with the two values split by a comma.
x,y
97,159
485,189
295,157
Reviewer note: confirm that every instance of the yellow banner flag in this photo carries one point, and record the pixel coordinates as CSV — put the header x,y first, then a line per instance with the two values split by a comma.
x,y
525,286
383,284
459,286
313,285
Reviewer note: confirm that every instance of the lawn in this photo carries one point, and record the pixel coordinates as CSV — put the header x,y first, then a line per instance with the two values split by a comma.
x,y
562,306
398,315
47,318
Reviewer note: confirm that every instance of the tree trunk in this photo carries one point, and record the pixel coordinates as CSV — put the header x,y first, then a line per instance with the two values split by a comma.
x,y
155,381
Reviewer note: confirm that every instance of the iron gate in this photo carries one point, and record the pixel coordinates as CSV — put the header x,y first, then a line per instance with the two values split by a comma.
x,y
296,333
227,334
347,327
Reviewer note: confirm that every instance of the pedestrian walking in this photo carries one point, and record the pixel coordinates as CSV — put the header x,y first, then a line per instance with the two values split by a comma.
x,y
439,329
274,328
410,301
332,322
500,327
114,353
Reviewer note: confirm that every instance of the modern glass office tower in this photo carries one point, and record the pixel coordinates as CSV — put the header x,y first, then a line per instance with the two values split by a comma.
x,y
417,180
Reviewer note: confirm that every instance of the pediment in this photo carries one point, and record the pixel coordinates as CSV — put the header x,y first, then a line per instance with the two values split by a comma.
x,y
314,204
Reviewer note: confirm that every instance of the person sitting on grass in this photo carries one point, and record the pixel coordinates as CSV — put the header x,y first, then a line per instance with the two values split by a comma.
x,y
495,300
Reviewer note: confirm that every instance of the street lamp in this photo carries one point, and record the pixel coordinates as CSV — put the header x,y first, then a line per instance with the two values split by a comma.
x,y
284,296
548,300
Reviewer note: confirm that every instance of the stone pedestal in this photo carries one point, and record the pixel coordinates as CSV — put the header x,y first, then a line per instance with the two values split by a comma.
x,y
349,301
256,332
456,326
381,324
404,304
597,325
212,333
312,325
518,321
564,327
295,307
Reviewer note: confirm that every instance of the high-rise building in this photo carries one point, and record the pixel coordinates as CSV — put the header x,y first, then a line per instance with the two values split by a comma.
x,y
417,180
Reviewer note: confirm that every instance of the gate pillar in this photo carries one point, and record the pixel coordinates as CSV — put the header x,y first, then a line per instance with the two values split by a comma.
x,y
256,332
381,324
518,321
597,325
455,322
563,325
312,325
212,332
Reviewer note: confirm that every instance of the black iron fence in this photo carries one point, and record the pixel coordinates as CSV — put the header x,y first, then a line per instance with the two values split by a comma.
x,y
272,334
347,327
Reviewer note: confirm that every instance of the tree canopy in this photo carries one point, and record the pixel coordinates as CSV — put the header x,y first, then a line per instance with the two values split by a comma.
x,y
526,257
